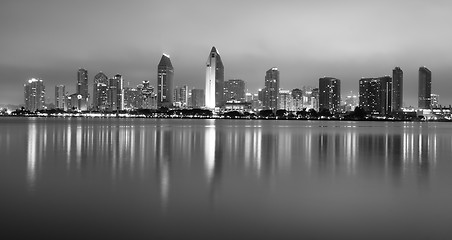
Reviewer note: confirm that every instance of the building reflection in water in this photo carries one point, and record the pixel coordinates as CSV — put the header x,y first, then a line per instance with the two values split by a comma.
x,y
220,150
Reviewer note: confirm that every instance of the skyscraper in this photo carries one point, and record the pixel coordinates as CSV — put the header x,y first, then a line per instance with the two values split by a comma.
x,y
165,77
397,89
425,88
271,90
297,96
34,94
60,97
234,89
375,94
329,94
116,93
214,90
100,92
82,83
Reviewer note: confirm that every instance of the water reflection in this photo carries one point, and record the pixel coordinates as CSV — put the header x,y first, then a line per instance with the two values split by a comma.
x,y
138,149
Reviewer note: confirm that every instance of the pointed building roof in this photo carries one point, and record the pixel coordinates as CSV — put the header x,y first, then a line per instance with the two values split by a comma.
x,y
165,61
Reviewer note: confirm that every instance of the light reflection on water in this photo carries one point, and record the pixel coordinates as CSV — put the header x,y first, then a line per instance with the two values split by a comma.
x,y
234,164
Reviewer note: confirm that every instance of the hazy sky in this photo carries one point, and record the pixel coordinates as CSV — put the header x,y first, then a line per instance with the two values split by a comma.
x,y
306,40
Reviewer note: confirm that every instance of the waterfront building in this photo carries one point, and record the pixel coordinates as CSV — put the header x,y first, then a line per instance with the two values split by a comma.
x,y
329,94
100,92
351,102
297,99
285,100
397,89
148,95
271,90
214,86
314,99
34,94
425,88
180,96
82,83
197,98
234,89
60,96
375,95
116,93
434,100
165,78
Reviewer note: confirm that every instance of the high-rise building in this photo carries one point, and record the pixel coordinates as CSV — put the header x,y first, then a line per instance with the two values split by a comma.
x,y
285,100
132,98
329,94
435,100
234,89
375,95
181,96
214,90
314,96
60,97
165,77
100,92
425,88
34,94
297,98
397,89
116,93
197,98
82,83
149,98
271,89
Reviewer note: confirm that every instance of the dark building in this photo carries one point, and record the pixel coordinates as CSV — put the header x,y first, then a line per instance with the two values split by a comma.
x,y
197,98
375,95
234,89
165,77
397,89
271,90
34,94
329,94
425,88
214,91
116,93
100,92
82,83
60,97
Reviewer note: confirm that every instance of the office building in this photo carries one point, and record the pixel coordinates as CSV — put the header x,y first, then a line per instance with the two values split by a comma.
x,y
329,94
425,88
375,95
271,90
82,83
34,94
285,100
197,98
234,89
60,96
397,89
165,78
100,92
214,89
116,93
435,100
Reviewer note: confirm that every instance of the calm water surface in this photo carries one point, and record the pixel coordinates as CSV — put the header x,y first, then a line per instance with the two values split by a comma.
x,y
151,178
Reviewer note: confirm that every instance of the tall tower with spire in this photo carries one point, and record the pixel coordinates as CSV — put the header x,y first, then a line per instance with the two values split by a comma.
x,y
165,82
214,80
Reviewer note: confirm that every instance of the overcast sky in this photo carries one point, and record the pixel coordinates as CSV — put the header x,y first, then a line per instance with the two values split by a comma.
x,y
306,40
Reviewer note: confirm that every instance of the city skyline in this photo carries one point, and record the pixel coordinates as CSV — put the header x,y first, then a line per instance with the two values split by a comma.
x,y
38,41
